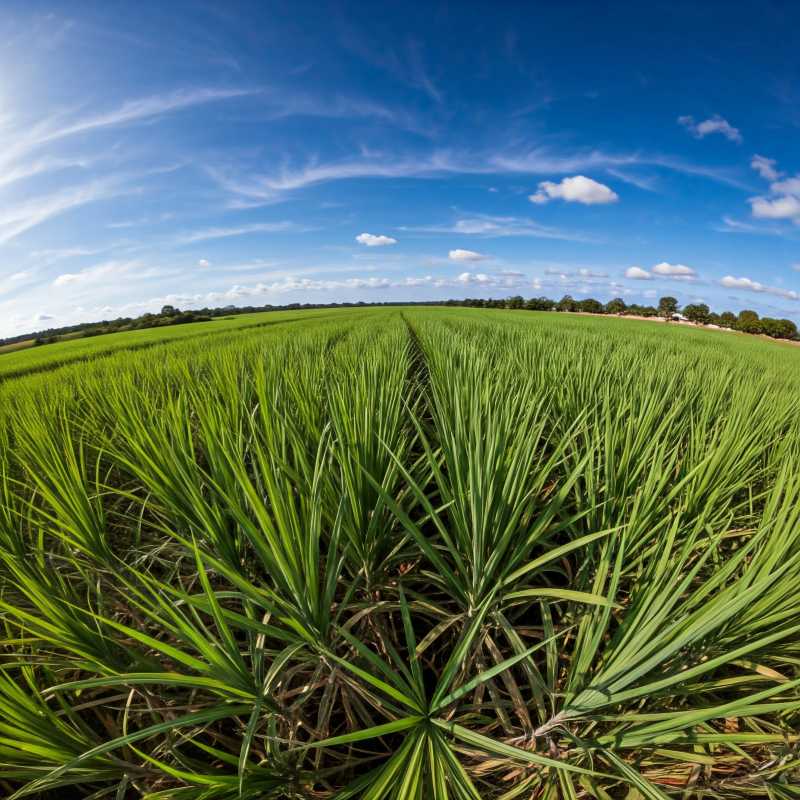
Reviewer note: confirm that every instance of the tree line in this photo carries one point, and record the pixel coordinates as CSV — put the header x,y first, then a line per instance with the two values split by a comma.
x,y
746,321
170,315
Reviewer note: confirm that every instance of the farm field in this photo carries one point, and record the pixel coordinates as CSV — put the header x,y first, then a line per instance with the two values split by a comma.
x,y
22,358
406,553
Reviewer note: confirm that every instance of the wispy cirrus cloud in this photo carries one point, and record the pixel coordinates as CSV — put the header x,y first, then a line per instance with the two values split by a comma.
x,y
101,272
404,60
250,185
15,281
129,112
731,225
490,227
21,217
206,234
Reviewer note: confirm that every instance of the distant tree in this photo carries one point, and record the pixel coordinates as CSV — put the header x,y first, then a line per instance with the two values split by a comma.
x,y
616,306
515,302
667,306
748,321
727,319
591,306
169,311
641,311
566,303
779,328
697,312
539,304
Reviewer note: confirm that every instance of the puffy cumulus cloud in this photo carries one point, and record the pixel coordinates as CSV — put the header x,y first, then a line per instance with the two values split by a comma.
x,y
790,186
506,280
765,167
293,284
475,278
425,280
288,284
715,124
749,285
204,262
578,189
783,201
674,270
785,207
373,240
465,255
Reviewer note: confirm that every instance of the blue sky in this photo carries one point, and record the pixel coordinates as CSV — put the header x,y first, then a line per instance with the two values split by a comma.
x,y
268,152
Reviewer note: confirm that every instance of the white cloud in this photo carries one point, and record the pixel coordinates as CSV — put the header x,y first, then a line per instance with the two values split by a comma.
x,y
786,207
784,199
465,255
749,285
789,186
674,270
715,124
18,218
190,237
474,278
252,187
375,240
101,271
143,108
584,274
52,255
503,280
765,167
204,262
11,282
492,227
578,189
731,225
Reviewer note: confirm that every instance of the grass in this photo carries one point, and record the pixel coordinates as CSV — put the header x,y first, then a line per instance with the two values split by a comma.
x,y
22,358
402,553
